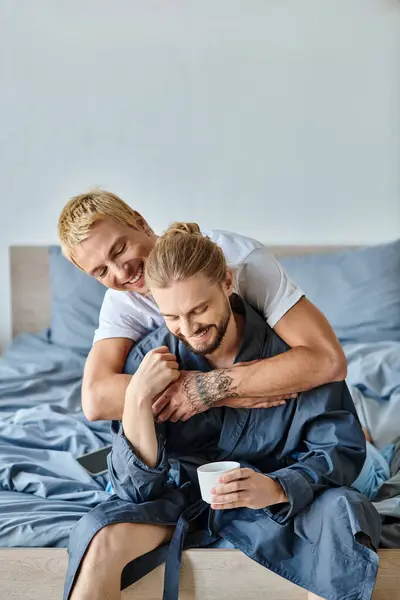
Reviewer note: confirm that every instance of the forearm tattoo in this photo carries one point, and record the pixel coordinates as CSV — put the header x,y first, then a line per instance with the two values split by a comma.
x,y
205,389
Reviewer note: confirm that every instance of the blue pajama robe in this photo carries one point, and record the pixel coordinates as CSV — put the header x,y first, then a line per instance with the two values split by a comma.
x,y
313,446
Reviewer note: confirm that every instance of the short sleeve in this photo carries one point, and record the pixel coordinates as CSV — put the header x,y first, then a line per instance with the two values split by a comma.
x,y
118,319
266,286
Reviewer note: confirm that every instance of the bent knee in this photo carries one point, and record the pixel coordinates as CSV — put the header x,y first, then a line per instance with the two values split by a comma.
x,y
128,540
109,540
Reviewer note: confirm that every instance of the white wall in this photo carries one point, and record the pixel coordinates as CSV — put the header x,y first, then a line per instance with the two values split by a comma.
x,y
276,118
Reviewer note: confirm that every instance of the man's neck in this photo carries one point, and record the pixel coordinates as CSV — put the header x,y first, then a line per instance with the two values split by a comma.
x,y
225,355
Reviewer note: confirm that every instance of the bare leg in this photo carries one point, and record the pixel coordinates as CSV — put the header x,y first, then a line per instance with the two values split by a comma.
x,y
312,596
110,550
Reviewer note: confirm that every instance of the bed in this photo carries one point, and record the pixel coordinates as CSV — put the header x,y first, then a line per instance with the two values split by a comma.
x,y
44,491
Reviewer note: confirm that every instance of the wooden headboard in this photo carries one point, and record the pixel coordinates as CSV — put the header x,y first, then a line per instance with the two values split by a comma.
x,y
30,288
30,284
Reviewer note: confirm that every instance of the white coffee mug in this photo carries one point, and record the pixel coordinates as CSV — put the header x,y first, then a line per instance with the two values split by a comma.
x,y
209,474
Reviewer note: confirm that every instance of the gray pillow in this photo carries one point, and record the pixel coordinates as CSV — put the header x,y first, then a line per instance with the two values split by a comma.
x,y
76,299
358,290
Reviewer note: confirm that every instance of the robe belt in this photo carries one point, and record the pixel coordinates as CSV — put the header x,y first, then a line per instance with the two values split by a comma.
x,y
174,555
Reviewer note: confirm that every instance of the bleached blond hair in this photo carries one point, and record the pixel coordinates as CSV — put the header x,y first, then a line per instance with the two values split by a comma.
x,y
81,212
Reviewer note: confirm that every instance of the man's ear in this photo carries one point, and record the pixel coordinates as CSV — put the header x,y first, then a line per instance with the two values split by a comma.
x,y
228,283
142,224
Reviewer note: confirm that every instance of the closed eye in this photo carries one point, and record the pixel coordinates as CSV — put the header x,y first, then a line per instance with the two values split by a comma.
x,y
121,250
103,273
200,310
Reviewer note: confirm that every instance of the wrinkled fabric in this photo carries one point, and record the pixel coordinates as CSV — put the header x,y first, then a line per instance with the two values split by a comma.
x,y
44,491
387,502
41,416
376,470
374,380
313,446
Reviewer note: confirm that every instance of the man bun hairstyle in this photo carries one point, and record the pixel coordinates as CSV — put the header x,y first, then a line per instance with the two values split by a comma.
x,y
181,253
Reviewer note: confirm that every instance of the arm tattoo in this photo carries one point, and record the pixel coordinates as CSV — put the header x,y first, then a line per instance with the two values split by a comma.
x,y
204,389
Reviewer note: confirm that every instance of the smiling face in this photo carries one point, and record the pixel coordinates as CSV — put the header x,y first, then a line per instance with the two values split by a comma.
x,y
114,253
197,311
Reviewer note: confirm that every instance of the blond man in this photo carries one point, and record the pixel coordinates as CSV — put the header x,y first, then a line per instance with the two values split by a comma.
x,y
109,240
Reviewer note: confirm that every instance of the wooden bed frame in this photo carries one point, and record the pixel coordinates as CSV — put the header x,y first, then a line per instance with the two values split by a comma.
x,y
38,573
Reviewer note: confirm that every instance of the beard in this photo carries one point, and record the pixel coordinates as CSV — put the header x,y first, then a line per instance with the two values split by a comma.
x,y
220,329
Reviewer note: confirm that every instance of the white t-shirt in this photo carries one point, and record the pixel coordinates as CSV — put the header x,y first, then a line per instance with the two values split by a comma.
x,y
259,279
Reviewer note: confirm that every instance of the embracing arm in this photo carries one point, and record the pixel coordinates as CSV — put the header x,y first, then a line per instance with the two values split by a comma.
x,y
104,383
315,358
